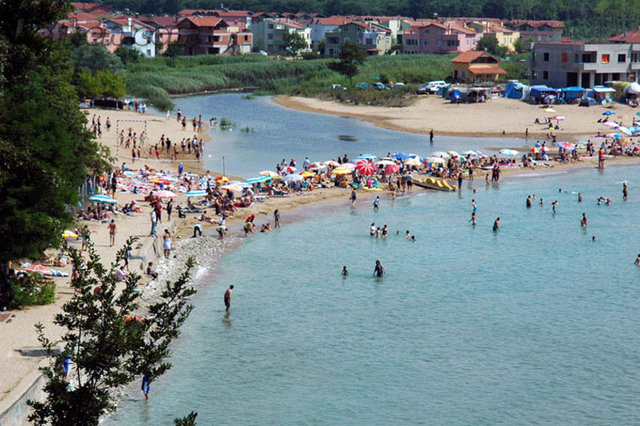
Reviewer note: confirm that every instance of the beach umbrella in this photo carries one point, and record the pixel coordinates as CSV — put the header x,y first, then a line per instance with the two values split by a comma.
x,y
566,145
440,154
291,169
222,179
367,157
232,187
341,171
365,167
400,156
391,168
69,235
638,113
435,160
625,130
558,117
472,152
258,179
163,194
268,173
317,165
292,178
385,163
160,181
535,150
307,174
349,166
609,112
611,124
332,163
412,161
196,193
453,153
102,199
509,152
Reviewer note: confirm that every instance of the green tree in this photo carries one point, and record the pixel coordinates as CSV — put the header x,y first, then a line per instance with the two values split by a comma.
x,y
94,57
128,56
174,49
320,48
103,83
350,57
518,45
107,339
294,42
45,151
189,420
490,44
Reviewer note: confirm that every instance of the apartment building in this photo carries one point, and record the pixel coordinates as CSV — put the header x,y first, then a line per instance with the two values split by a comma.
x,y
209,35
435,37
373,38
268,33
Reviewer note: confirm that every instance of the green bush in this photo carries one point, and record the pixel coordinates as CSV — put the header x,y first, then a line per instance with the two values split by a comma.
x,y
31,290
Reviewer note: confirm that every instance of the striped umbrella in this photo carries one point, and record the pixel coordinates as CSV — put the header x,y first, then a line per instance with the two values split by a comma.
x,y
365,167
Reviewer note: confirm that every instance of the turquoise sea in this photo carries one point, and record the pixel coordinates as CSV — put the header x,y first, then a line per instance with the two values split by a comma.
x,y
535,324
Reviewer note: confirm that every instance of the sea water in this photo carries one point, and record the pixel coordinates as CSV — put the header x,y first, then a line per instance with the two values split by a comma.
x,y
534,324
277,132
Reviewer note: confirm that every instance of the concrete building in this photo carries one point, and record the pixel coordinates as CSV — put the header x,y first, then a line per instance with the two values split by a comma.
x,y
439,38
134,34
533,32
268,33
373,38
569,64
320,26
210,36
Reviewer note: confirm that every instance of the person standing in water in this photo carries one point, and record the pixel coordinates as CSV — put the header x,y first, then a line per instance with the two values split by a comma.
x,y
625,191
276,218
379,270
554,206
473,219
353,197
496,225
376,203
431,135
345,272
227,298
637,262
528,201
579,197
583,222
146,385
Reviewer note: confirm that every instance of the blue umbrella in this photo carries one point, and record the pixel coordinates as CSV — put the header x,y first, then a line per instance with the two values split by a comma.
x,y
258,179
401,156
608,112
198,193
367,157
102,199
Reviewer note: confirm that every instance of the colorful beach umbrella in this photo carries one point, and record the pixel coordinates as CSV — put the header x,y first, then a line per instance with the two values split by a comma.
x,y
163,194
609,112
472,152
412,161
385,163
365,167
291,169
332,163
349,166
196,193
341,171
567,145
222,179
307,174
453,153
269,173
509,152
558,117
102,199
69,235
367,157
258,179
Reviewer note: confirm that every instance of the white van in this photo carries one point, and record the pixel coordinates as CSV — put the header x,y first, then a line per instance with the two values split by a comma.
x,y
431,87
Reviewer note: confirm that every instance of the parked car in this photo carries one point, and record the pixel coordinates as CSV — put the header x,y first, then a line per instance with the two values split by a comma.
x,y
399,84
431,87
362,85
379,86
338,87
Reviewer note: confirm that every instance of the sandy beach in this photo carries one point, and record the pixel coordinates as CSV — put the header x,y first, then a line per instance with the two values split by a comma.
x,y
489,119
17,332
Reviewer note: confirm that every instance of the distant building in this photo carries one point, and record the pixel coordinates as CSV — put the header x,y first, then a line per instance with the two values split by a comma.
x,y
166,30
93,8
209,35
268,33
320,26
237,20
476,67
532,32
567,64
503,35
373,38
435,37
133,34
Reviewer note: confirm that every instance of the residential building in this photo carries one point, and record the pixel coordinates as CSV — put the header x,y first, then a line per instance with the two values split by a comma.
x,y
268,33
133,34
476,67
434,37
166,29
373,38
532,32
320,26
504,36
209,35
567,64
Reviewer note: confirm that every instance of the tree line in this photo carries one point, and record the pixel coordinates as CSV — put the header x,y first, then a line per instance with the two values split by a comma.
x,y
584,19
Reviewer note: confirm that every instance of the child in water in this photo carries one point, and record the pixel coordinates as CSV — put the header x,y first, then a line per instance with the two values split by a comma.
x,y
344,271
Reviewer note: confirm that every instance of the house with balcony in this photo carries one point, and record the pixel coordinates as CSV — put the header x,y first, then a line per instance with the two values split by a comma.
x,y
477,66
268,33
209,35
503,35
133,34
532,32
434,37
320,26
373,38
567,64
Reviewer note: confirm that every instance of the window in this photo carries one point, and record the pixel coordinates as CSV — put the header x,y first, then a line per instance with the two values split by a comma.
x,y
426,31
565,57
622,57
605,58
546,56
270,36
270,26
426,42
545,75
439,43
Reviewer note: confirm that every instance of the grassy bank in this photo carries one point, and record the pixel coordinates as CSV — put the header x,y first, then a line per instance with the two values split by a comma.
x,y
158,78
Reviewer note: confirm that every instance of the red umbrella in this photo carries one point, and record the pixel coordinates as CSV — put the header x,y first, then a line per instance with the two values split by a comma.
x,y
365,167
391,168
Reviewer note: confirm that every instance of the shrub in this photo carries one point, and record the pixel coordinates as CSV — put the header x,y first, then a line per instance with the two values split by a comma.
x,y
32,290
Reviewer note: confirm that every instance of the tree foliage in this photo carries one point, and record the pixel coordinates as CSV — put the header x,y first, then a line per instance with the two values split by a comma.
x,y
94,57
490,44
189,420
128,56
174,49
294,42
107,340
103,83
349,58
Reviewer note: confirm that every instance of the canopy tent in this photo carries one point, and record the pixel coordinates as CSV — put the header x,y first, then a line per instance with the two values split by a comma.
x,y
571,94
516,90
632,89
537,93
602,94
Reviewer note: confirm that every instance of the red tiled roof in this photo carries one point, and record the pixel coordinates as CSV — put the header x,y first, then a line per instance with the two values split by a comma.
x,y
470,56
238,13
161,21
627,37
84,16
486,70
552,24
190,12
205,21
333,20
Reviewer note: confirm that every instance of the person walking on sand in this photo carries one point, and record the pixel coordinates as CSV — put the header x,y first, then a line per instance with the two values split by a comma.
x,y
166,243
276,218
379,270
112,232
154,222
227,298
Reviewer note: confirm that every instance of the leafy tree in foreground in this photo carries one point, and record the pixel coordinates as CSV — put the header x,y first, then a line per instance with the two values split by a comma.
x,y
294,42
490,44
107,341
349,58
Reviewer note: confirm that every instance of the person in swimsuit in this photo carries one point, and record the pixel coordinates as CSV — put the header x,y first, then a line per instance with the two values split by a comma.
x,y
146,386
376,204
227,298
379,270
166,238
625,191
583,222
372,230
529,201
112,232
473,219
345,272
353,197
276,218
496,225
637,262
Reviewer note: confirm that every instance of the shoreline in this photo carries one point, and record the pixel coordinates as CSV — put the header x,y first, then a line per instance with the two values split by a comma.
x,y
318,199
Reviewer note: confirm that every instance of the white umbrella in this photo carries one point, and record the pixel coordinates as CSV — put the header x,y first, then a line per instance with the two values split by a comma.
x,y
414,161
611,124
349,166
385,163
472,152
269,173
435,160
440,154
509,152
292,178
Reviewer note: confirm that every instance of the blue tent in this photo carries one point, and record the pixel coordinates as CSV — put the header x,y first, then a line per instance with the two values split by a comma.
x,y
570,94
455,95
515,90
539,92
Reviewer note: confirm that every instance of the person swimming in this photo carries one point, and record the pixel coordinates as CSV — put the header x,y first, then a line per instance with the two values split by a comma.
x,y
372,230
407,235
593,239
541,202
379,270
637,262
385,231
